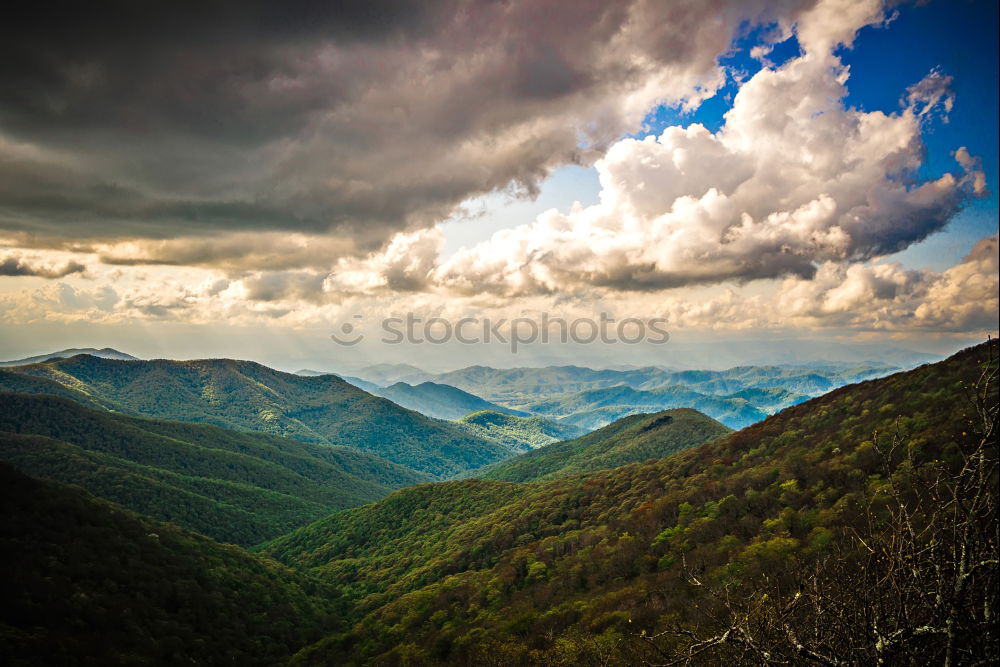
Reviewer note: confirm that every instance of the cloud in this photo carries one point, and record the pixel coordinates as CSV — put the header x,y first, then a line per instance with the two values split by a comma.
x,y
282,286
234,252
973,166
932,93
825,25
965,297
885,296
58,302
359,119
16,266
792,180
404,265
877,296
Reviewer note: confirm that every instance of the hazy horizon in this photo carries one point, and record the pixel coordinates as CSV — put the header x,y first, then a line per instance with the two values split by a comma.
x,y
718,355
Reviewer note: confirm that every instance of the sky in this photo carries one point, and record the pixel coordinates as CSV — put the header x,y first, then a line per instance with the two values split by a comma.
x,y
255,181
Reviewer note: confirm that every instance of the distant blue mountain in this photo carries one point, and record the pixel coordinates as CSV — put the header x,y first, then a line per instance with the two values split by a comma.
x,y
103,353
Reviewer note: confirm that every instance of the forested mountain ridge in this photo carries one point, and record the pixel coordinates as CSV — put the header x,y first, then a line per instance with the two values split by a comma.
x,y
13,382
440,401
629,440
247,396
656,561
233,486
522,433
88,583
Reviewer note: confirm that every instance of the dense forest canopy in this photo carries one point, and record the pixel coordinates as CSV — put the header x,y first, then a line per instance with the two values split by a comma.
x,y
706,554
88,583
856,528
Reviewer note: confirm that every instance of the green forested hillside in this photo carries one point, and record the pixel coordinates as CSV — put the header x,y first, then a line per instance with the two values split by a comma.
x,y
87,583
236,487
11,381
629,440
793,528
246,396
518,433
440,401
394,544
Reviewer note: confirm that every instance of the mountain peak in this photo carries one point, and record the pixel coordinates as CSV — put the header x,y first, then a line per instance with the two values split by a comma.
x,y
631,439
102,353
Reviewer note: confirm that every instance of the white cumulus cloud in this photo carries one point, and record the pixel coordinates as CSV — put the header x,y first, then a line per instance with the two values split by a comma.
x,y
793,179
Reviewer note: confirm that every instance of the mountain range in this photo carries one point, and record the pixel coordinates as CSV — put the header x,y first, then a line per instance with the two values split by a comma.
x,y
651,540
247,396
589,398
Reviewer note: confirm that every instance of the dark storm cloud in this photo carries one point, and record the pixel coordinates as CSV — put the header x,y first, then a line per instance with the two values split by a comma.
x,y
15,266
162,119
277,285
138,67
